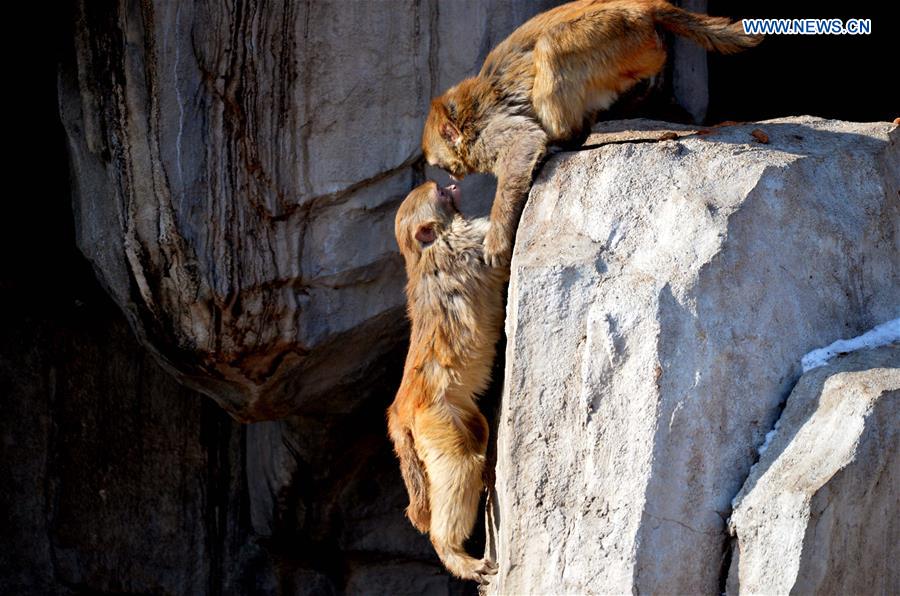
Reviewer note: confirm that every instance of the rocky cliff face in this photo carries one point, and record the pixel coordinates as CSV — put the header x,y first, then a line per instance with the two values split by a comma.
x,y
234,190
818,513
118,480
183,126
236,171
662,296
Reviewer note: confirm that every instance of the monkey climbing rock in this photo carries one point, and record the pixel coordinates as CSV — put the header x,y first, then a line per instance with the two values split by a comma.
x,y
455,307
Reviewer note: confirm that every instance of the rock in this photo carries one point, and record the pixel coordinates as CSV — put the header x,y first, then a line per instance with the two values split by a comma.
x,y
121,480
690,71
236,171
118,479
402,579
819,512
677,285
185,151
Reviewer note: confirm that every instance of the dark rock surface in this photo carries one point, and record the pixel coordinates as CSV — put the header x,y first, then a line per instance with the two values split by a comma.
x,y
120,480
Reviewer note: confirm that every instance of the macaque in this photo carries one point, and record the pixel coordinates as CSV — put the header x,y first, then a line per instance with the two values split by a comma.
x,y
455,306
546,83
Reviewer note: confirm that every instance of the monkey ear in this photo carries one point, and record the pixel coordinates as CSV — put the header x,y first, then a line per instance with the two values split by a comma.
x,y
425,234
449,132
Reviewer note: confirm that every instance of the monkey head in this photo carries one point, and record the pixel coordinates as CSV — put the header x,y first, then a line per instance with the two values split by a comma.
x,y
424,215
442,138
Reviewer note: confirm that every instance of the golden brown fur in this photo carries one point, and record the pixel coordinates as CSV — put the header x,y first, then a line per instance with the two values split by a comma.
x,y
545,83
455,306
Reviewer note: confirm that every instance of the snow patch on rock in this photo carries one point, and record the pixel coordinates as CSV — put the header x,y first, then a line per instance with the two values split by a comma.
x,y
882,335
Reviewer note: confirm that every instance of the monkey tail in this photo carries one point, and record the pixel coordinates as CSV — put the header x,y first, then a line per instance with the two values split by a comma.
x,y
414,475
713,33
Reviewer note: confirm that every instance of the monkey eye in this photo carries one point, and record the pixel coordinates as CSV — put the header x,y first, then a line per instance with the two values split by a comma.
x,y
425,234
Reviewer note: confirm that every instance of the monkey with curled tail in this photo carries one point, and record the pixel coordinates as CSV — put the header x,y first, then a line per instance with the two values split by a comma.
x,y
455,307
545,83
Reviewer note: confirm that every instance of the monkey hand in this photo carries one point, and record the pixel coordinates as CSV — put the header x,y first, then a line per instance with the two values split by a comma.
x,y
497,248
485,571
479,570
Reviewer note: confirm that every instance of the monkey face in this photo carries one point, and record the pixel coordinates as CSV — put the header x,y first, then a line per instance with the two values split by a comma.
x,y
441,140
424,214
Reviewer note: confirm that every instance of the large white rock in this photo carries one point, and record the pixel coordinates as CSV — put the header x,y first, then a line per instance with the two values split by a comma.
x,y
820,512
662,296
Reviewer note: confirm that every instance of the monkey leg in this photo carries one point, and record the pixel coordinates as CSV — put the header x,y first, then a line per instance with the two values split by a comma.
x,y
583,65
566,59
456,487
578,138
455,458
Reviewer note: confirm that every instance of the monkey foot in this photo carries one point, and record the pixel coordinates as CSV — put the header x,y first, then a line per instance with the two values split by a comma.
x,y
485,571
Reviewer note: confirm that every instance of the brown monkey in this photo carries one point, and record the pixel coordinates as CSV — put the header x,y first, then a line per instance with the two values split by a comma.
x,y
545,83
455,306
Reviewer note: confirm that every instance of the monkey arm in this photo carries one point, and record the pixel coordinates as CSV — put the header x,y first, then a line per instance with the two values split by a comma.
x,y
514,170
